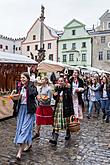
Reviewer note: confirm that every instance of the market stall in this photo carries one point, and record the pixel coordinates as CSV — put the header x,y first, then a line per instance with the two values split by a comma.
x,y
50,66
11,66
89,69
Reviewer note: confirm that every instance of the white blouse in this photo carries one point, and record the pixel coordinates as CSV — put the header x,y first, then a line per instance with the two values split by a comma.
x,y
23,95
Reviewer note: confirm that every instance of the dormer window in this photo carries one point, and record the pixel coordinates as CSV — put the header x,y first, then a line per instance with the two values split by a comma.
x,y
73,32
34,37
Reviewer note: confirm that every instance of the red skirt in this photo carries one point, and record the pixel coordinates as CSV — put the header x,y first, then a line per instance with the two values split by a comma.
x,y
44,115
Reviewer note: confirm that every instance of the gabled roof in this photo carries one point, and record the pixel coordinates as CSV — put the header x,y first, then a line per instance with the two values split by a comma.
x,y
104,14
74,20
55,32
11,39
15,58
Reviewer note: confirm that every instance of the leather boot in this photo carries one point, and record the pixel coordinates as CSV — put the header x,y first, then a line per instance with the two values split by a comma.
x,y
107,119
54,139
68,135
104,114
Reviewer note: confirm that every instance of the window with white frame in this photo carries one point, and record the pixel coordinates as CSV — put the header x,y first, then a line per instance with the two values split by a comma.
x,y
73,46
49,45
102,39
64,46
73,32
28,48
83,44
43,46
101,55
36,47
84,57
34,37
71,57
51,57
109,25
108,54
6,47
64,58
1,46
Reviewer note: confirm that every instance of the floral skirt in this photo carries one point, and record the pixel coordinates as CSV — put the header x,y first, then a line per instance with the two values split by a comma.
x,y
59,121
44,115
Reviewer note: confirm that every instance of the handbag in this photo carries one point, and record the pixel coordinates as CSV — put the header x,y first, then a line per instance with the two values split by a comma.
x,y
74,125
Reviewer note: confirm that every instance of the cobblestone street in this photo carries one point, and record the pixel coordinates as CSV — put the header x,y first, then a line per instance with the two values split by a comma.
x,y
88,147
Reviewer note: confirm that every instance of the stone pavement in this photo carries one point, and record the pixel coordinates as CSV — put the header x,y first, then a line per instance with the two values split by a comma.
x,y
88,147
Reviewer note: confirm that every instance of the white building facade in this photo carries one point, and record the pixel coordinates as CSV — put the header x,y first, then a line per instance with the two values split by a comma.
x,y
10,45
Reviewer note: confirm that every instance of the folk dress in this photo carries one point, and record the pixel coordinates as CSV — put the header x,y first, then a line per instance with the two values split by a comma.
x,y
44,112
24,122
63,108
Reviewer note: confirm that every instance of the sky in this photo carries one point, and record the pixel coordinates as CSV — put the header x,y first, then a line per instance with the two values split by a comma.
x,y
17,16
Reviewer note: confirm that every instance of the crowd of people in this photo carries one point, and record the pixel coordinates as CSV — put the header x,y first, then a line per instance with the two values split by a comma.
x,y
72,95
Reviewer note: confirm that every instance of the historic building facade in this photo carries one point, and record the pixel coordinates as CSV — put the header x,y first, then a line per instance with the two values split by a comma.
x,y
31,45
74,46
101,43
10,45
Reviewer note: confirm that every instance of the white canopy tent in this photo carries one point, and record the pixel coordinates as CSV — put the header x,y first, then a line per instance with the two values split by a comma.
x,y
90,69
52,66
13,58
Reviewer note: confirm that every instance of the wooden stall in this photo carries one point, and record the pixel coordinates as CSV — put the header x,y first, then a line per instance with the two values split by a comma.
x,y
11,66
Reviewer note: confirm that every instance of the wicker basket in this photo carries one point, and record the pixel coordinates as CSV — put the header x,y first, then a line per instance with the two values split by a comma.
x,y
74,126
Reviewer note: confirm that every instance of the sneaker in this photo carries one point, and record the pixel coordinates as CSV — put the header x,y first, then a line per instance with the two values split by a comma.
x,y
36,136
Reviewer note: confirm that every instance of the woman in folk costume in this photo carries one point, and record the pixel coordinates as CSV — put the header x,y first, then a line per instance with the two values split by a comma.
x,y
44,112
63,110
77,87
26,111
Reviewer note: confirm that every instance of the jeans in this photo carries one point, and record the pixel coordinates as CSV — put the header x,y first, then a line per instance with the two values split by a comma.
x,y
105,106
93,104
